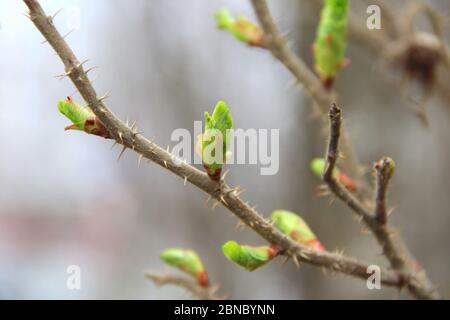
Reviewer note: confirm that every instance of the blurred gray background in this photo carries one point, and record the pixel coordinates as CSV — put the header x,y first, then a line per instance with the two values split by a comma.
x,y
65,200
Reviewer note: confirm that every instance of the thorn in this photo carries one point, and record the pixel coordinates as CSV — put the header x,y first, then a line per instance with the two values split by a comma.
x,y
80,64
295,259
133,126
216,203
185,180
54,15
332,201
27,14
291,84
140,159
223,200
165,164
114,144
68,33
323,193
137,133
225,174
239,225
240,191
121,153
120,137
61,76
90,69
390,211
285,260
105,96
95,79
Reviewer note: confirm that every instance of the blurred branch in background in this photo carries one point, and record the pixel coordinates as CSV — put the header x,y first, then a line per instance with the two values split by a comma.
x,y
392,245
322,98
418,54
417,281
202,293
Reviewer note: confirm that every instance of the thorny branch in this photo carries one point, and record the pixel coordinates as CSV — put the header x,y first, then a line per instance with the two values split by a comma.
x,y
393,248
414,277
384,169
279,48
222,193
203,293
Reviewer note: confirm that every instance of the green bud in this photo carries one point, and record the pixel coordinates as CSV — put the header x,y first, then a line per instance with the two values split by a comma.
x,y
241,28
248,257
331,40
186,260
82,118
295,227
318,166
391,166
216,139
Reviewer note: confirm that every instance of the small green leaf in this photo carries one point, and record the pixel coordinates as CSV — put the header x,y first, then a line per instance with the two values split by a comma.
x,y
391,166
248,257
82,118
295,227
331,40
241,28
186,260
216,139
318,166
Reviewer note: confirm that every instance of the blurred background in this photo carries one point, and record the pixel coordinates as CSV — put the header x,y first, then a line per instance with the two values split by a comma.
x,y
65,200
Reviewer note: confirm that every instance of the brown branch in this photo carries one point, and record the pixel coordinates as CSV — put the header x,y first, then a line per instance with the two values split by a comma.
x,y
222,193
279,48
203,293
415,279
385,169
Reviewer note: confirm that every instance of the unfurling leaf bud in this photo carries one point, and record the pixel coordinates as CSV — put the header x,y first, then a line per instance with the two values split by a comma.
x,y
82,118
188,261
241,28
387,164
216,139
248,257
295,227
331,41
318,167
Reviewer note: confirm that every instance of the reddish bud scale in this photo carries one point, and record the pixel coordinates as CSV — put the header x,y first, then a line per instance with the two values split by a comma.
x,y
295,235
202,278
272,252
316,245
346,181
96,127
213,174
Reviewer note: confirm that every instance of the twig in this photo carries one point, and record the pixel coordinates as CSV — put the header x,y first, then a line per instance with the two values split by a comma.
x,y
323,98
221,192
384,169
203,293
418,283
